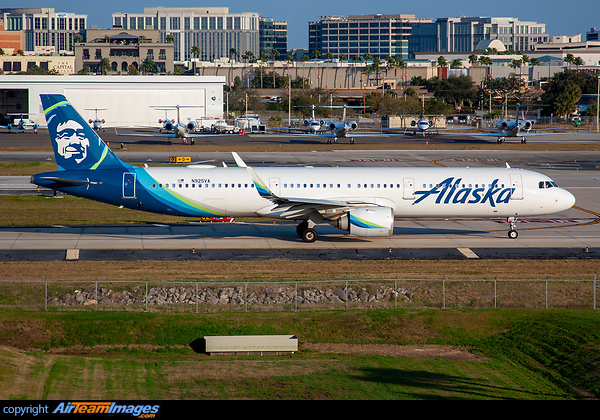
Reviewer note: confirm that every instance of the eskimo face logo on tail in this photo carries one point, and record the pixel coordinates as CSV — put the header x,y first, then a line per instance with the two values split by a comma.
x,y
71,141
451,191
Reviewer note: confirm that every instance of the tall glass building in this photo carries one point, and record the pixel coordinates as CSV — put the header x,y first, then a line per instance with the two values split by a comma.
x,y
379,35
213,30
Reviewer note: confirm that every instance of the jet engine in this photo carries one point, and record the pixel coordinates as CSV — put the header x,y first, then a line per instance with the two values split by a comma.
x,y
413,123
331,125
306,123
501,124
527,125
367,222
353,125
191,125
321,122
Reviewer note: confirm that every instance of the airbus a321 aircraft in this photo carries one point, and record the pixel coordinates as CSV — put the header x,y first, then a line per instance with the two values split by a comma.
x,y
362,201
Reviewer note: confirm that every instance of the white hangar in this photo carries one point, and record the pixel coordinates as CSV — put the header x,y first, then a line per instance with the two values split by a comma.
x,y
127,100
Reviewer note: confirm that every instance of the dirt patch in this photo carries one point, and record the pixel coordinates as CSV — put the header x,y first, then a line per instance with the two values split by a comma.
x,y
392,350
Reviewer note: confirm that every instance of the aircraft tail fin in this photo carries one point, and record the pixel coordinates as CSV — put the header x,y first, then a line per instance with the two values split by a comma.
x,y
76,145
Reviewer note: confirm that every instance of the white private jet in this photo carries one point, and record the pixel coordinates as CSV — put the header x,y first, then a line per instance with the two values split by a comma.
x,y
22,124
179,130
313,126
517,128
96,123
359,200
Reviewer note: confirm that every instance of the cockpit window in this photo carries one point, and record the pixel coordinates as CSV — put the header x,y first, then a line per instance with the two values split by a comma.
x,y
547,184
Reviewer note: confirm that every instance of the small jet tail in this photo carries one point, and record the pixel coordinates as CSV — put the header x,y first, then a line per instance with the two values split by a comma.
x,y
76,145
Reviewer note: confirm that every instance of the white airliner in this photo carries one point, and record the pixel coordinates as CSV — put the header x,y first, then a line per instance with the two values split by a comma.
x,y
361,201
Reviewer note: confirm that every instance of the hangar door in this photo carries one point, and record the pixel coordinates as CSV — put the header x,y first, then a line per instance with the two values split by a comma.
x,y
134,107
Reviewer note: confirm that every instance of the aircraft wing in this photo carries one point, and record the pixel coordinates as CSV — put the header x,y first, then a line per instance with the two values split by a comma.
x,y
172,135
294,207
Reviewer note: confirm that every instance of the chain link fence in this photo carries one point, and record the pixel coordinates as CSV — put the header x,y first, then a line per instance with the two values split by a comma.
x,y
190,296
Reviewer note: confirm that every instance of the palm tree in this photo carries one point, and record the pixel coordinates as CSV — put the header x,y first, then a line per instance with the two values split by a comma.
x,y
442,62
195,53
274,55
473,59
148,66
534,62
104,66
304,59
456,64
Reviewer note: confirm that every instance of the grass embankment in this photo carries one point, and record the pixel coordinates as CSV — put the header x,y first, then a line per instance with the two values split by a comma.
x,y
523,354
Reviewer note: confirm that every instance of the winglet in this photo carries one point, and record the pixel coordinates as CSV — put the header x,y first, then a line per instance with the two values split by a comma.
x,y
507,165
260,185
238,160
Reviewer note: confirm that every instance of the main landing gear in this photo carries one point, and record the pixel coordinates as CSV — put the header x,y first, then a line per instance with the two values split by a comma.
x,y
512,233
306,232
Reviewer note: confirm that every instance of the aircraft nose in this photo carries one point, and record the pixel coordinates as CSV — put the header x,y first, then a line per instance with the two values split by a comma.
x,y
569,199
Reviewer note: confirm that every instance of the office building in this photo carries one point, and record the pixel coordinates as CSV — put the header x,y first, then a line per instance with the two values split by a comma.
x,y
44,29
123,49
379,35
462,34
213,30
273,36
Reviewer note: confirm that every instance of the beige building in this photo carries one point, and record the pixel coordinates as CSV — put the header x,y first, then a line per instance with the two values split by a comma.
x,y
62,64
123,49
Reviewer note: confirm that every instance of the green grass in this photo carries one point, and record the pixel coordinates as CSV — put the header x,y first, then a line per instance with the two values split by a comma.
x,y
524,354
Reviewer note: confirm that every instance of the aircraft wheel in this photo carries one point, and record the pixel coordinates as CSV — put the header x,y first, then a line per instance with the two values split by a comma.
x,y
512,234
524,140
328,141
192,142
309,235
352,140
301,228
169,142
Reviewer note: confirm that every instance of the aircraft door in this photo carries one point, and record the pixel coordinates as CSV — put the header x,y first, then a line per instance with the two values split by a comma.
x,y
128,185
516,183
274,186
408,190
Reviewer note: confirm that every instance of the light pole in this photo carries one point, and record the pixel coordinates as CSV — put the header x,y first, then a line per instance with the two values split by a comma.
x,y
598,104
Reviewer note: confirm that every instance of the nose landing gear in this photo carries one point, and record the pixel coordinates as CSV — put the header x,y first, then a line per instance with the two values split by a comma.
x,y
512,233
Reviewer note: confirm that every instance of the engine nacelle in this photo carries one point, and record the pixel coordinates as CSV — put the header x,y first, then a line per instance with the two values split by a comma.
x,y
191,125
413,123
528,125
367,222
321,122
331,125
353,125
502,125
306,123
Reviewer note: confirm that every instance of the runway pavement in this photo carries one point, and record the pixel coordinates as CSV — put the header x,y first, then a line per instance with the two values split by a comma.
x,y
572,234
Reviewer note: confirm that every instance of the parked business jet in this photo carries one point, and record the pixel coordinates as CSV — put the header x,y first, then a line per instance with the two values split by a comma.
x,y
97,123
517,128
177,130
22,124
362,201
312,126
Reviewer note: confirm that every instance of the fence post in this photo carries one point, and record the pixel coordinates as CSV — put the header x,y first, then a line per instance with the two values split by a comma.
x,y
146,295
395,293
346,294
546,294
443,293
96,294
296,297
595,289
46,297
495,295
197,297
